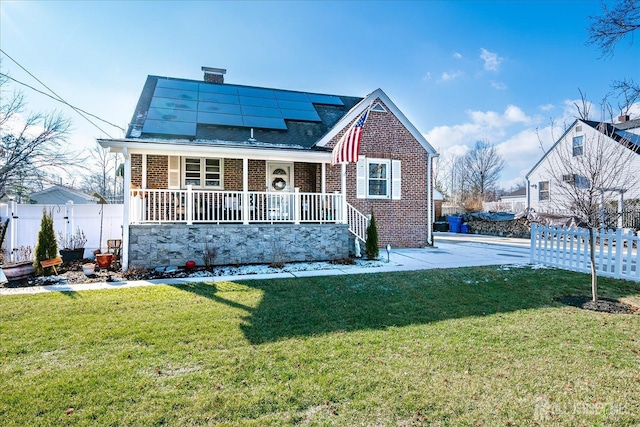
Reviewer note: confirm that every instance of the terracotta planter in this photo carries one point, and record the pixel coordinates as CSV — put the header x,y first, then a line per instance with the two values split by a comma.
x,y
104,260
18,271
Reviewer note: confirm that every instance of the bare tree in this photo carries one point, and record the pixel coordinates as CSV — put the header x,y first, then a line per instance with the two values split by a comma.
x,y
614,25
31,145
582,175
102,178
483,166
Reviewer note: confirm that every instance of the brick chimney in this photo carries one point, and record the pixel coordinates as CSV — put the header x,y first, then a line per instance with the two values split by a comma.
x,y
214,75
623,118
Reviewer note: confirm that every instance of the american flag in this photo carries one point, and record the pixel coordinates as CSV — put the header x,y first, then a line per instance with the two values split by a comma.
x,y
348,148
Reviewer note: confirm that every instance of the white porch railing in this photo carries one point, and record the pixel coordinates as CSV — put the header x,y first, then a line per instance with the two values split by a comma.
x,y
199,206
616,252
358,222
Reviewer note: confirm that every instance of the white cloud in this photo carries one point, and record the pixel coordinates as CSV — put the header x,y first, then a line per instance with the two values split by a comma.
x,y
498,85
513,133
427,76
457,55
546,107
450,76
491,60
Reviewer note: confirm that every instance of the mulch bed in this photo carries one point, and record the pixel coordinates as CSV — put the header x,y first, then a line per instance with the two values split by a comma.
x,y
604,305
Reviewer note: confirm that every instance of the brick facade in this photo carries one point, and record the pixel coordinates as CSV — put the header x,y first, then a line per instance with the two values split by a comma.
x,y
404,222
401,223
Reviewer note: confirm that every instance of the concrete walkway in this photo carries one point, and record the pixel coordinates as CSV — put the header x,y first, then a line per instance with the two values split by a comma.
x,y
450,251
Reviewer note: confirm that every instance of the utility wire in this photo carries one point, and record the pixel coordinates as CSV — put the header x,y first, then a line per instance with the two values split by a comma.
x,y
58,97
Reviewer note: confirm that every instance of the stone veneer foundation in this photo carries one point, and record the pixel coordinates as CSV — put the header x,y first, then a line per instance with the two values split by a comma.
x,y
155,245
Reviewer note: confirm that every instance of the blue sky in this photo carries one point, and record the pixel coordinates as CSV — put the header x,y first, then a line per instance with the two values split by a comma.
x,y
461,71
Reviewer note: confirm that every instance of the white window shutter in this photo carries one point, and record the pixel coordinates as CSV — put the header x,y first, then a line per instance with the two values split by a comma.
x,y
174,172
396,180
361,186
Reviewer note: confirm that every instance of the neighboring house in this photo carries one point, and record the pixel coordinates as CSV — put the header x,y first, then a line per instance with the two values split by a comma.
x,y
576,142
514,202
222,173
58,195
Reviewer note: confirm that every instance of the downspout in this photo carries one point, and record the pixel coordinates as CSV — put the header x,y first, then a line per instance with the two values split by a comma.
x,y
528,194
127,203
430,204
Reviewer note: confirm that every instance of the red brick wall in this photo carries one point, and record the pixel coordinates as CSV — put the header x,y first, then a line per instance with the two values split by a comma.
x,y
136,170
233,174
401,223
157,171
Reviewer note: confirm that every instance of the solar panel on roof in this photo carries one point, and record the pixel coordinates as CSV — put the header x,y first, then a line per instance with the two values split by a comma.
x,y
169,127
296,105
311,116
317,98
178,106
264,122
214,107
250,110
173,103
255,92
171,114
164,92
219,97
218,88
258,102
177,84
290,96
220,119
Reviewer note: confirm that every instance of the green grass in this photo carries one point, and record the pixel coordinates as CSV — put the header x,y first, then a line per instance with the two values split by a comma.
x,y
472,346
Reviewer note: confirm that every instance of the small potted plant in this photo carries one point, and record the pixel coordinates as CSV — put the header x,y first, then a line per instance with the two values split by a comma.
x,y
89,269
72,245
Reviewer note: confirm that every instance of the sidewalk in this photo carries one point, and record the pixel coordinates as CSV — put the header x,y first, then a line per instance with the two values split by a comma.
x,y
450,251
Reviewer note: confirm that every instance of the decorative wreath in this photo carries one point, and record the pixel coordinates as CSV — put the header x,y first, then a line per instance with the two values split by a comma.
x,y
279,184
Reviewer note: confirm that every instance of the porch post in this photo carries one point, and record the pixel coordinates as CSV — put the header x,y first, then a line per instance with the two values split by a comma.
x,y
343,189
296,205
189,212
323,188
127,206
245,191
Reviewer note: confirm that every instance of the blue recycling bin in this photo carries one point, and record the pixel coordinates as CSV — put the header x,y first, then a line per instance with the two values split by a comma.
x,y
455,223
464,228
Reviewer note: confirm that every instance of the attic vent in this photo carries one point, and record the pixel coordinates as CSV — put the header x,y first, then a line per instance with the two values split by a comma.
x,y
378,107
578,129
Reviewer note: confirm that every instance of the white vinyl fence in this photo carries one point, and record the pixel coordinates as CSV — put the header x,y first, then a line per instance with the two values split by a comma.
x,y
616,251
25,220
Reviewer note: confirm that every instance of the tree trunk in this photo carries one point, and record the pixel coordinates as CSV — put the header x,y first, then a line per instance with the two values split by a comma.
x,y
592,256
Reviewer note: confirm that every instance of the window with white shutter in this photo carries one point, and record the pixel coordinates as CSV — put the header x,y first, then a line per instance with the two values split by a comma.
x,y
361,185
396,180
174,172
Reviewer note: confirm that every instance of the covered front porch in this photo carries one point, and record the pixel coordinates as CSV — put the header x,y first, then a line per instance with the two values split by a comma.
x,y
221,189
191,206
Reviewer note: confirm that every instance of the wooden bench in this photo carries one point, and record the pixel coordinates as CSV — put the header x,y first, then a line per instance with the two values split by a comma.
x,y
51,263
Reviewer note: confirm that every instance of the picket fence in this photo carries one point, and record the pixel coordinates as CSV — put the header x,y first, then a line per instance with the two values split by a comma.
x,y
24,223
616,251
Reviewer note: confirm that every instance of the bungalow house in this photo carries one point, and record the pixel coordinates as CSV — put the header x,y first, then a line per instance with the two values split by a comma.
x,y
222,173
617,145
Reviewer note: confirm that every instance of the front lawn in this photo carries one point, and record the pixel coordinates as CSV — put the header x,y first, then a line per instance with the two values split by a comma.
x,y
472,346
